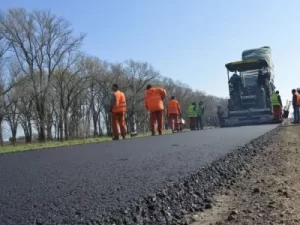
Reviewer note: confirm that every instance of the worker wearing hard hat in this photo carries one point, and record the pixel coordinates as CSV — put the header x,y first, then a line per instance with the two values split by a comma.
x,y
118,109
173,112
153,101
192,114
277,105
296,105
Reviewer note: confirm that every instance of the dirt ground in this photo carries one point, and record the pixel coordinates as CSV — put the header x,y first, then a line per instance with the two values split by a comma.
x,y
267,192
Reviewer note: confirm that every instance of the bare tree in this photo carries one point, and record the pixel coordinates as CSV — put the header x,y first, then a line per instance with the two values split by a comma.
x,y
3,43
48,85
12,114
40,41
70,82
96,70
25,108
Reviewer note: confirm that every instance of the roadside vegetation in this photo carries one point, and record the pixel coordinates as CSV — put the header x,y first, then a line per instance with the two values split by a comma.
x,y
36,145
58,94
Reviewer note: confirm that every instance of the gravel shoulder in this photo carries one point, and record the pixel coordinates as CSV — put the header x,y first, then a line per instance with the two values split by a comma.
x,y
266,191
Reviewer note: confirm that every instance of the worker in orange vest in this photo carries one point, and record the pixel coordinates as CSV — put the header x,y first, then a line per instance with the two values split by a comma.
x,y
118,109
173,112
153,101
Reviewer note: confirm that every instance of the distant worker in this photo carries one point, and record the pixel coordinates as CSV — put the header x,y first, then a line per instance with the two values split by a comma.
x,y
279,98
173,112
200,112
260,78
261,100
296,105
235,84
153,101
118,109
277,105
192,114
220,115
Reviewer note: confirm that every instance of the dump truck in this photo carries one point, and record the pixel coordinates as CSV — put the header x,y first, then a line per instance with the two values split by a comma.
x,y
251,85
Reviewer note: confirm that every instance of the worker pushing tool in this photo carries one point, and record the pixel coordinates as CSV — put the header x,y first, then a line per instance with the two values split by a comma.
x,y
118,109
153,101
173,112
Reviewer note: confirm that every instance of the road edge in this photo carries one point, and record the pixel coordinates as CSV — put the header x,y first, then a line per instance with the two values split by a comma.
x,y
191,194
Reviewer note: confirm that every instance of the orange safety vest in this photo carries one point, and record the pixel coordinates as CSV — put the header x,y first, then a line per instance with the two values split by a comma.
x,y
154,99
173,107
120,103
297,98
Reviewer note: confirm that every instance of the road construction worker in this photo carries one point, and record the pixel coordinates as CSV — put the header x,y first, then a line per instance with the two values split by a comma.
x,y
118,109
220,113
153,101
200,112
296,105
235,85
192,114
261,97
277,105
260,78
173,112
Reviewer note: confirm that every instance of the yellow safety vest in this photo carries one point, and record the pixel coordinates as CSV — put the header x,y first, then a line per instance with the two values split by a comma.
x,y
199,109
191,111
274,99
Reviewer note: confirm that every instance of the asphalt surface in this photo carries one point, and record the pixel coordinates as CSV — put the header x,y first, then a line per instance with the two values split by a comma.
x,y
54,185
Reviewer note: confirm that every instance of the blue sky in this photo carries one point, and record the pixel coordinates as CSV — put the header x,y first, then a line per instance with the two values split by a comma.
x,y
186,40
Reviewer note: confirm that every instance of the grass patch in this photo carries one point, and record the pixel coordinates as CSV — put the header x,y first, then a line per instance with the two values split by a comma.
x,y
50,144
19,147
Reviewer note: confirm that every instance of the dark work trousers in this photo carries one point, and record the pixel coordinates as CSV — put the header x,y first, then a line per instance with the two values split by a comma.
x,y
296,114
192,123
199,122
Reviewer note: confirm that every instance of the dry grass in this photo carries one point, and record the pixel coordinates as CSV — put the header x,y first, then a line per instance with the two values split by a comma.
x,y
19,147
53,144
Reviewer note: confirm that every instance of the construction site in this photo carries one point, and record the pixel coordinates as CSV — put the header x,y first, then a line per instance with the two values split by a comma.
x,y
207,133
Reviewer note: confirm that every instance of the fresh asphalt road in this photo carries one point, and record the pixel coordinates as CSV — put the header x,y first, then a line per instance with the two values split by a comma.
x,y
56,185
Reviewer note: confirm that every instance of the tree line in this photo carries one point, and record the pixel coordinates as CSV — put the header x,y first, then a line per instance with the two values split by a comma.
x,y
49,85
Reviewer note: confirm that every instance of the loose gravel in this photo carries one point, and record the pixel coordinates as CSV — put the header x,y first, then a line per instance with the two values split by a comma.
x,y
266,191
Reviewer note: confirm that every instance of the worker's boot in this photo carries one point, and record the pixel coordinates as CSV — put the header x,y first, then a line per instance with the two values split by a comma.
x,y
124,137
152,133
115,138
